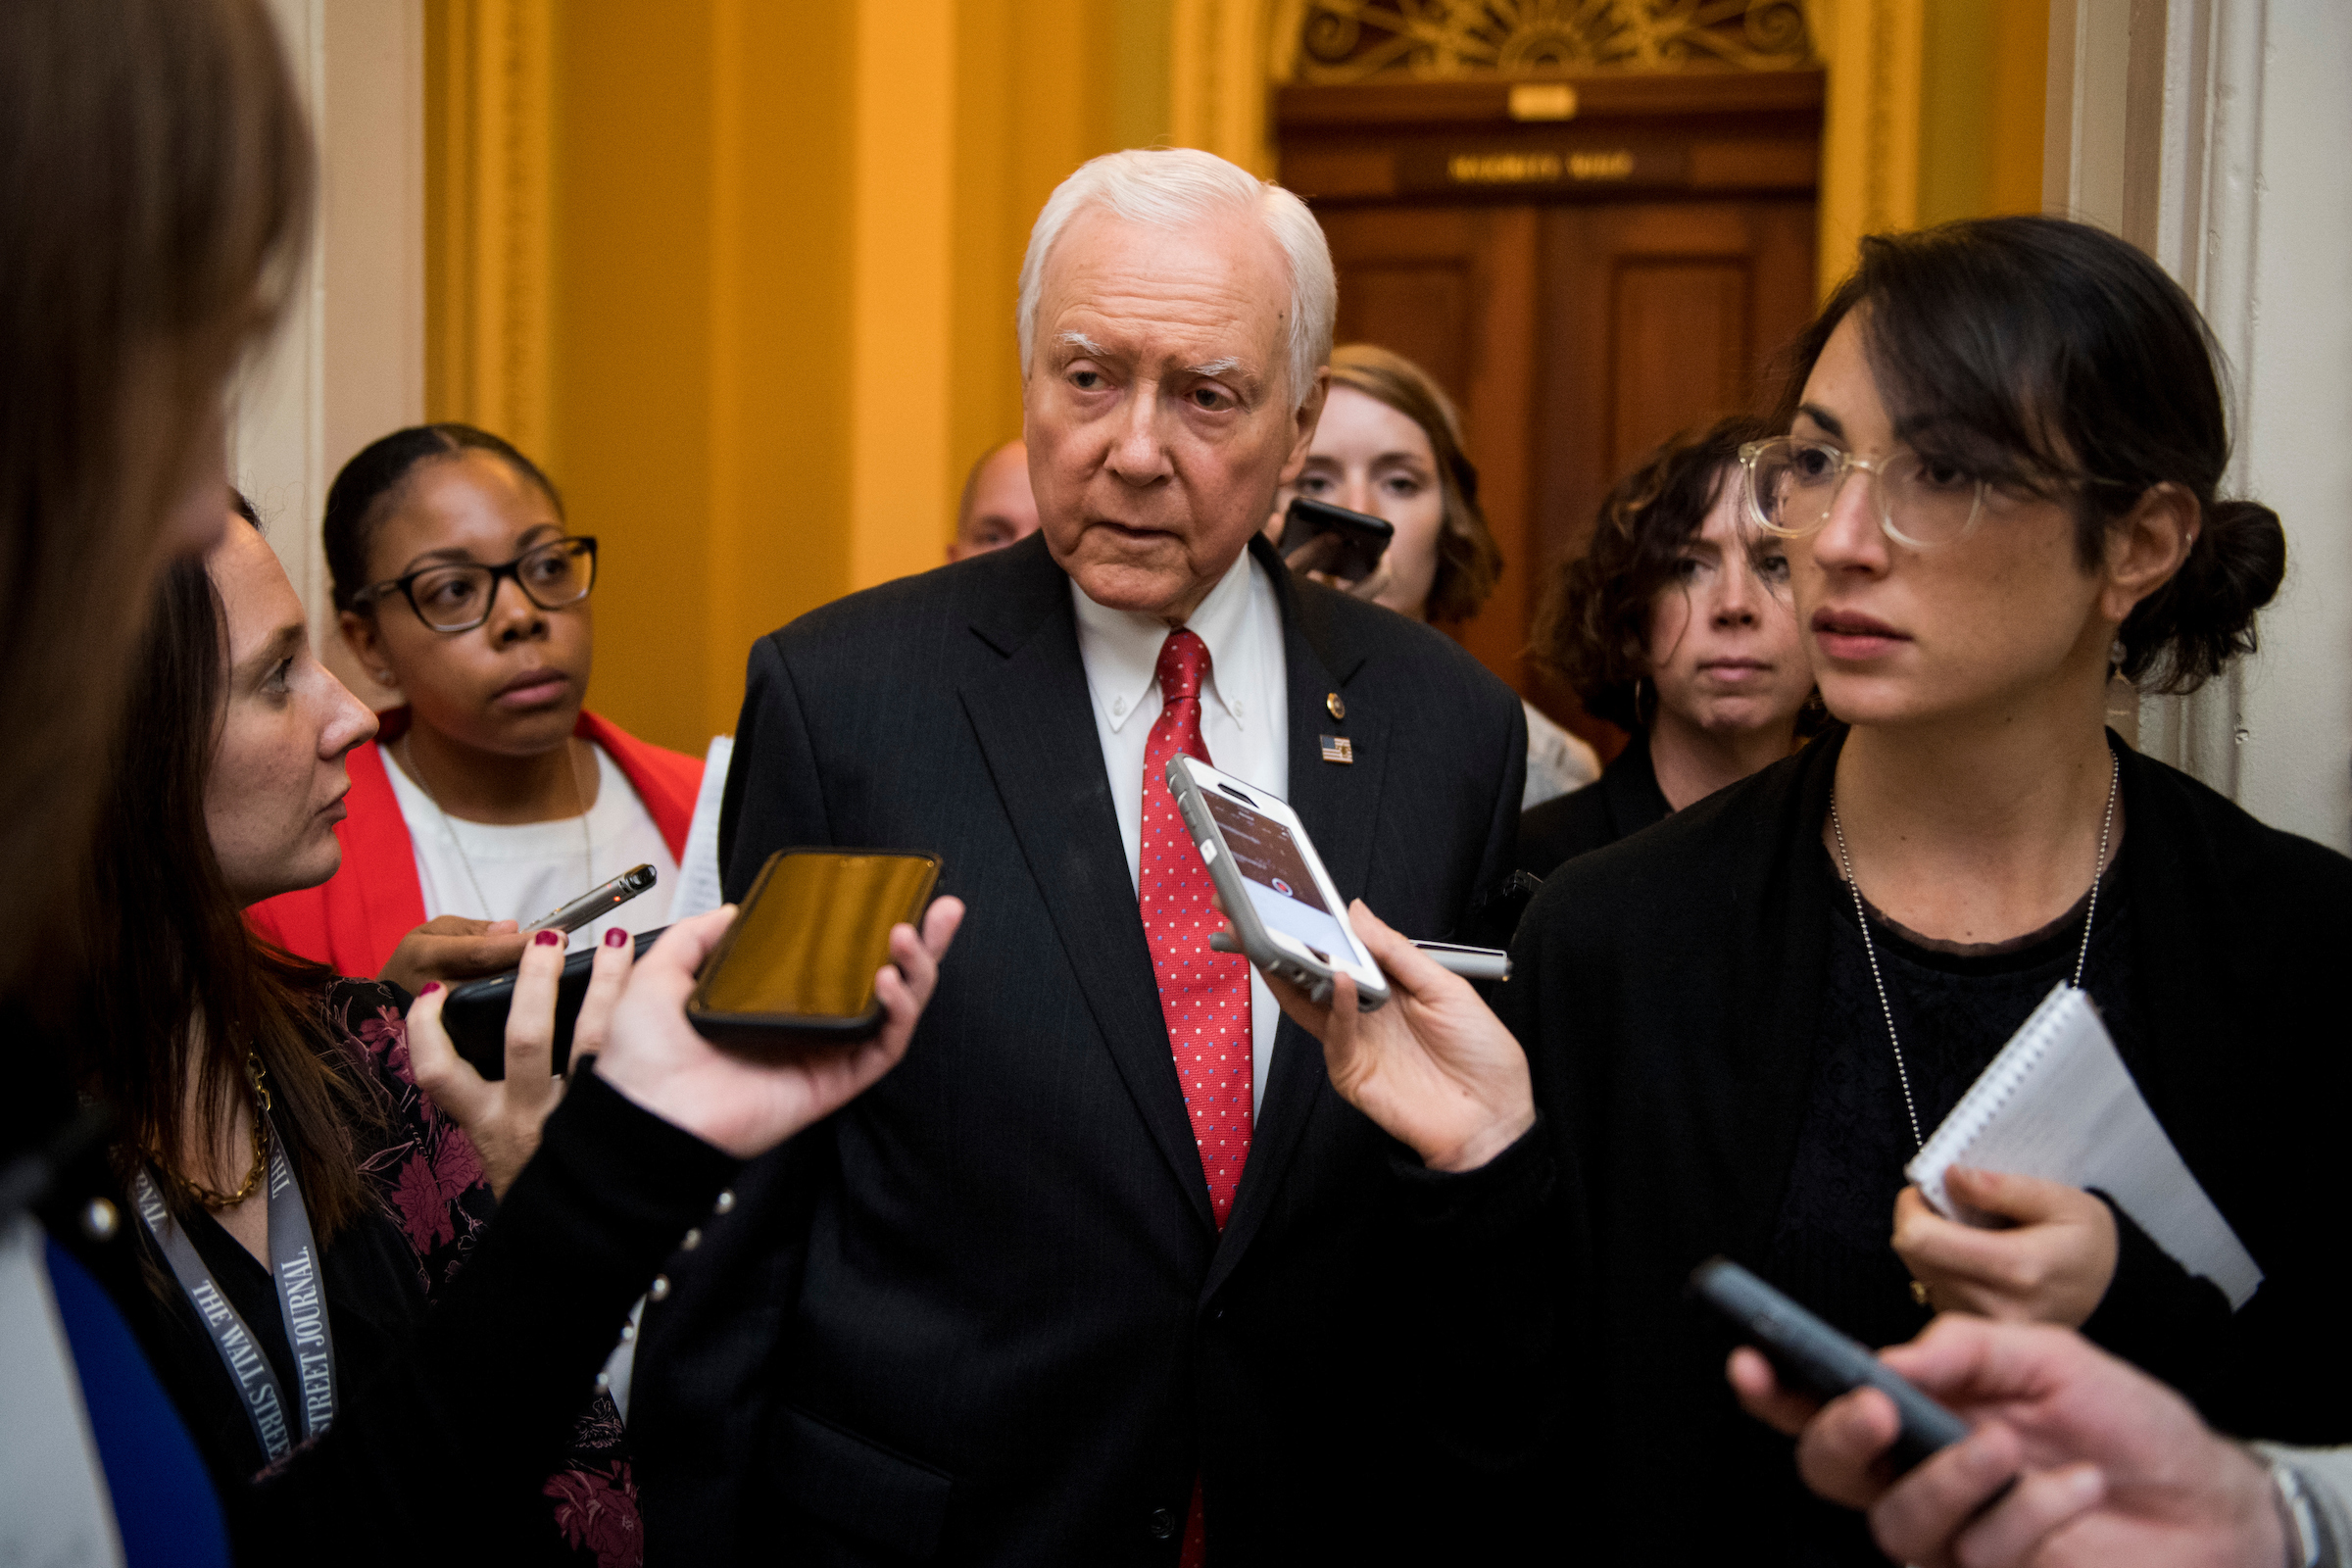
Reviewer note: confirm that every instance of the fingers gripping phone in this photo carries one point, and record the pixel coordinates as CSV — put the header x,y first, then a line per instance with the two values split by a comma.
x,y
1288,918
1359,539
1822,1361
799,963
475,1014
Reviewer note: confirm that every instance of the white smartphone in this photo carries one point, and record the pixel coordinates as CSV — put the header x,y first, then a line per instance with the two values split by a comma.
x,y
1290,921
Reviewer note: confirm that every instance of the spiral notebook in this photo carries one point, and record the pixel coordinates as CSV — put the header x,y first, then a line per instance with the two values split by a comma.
x,y
2058,1102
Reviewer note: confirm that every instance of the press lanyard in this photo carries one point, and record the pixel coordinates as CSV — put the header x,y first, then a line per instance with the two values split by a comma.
x,y
294,1266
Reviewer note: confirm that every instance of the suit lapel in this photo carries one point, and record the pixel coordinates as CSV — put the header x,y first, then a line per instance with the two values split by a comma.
x,y
1034,719
1340,804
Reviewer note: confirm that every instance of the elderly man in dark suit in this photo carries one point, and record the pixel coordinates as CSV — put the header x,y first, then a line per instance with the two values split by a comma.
x,y
1108,1271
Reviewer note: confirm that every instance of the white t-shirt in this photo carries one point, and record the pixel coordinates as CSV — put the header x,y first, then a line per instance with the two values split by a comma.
x,y
525,871
1244,721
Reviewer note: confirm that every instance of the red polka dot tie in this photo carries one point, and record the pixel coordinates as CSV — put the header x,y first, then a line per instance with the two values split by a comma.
x,y
1204,996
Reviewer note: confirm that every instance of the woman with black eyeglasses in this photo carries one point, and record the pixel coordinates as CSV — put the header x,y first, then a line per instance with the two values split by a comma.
x,y
491,795
1999,485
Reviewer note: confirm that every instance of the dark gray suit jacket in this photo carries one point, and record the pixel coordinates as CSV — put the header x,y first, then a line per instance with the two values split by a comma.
x,y
984,1314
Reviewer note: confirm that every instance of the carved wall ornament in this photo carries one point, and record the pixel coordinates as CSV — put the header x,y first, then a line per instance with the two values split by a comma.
x,y
1389,40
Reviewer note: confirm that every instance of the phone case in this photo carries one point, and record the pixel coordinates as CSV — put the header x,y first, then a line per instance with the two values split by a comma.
x,y
1365,538
1253,941
476,1013
783,1028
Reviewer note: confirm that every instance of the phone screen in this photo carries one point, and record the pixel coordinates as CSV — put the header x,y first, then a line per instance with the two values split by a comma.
x,y
1280,887
811,940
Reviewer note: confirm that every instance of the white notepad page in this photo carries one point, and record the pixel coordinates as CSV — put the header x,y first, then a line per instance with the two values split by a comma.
x,y
2058,1103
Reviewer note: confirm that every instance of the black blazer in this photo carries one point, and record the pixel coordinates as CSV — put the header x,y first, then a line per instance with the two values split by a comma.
x,y
1621,802
1668,989
984,1314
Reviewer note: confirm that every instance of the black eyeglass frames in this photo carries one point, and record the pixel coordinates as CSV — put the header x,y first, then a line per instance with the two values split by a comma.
x,y
457,596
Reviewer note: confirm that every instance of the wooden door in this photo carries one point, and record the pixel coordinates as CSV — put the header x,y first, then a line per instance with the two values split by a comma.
x,y
1657,317
1583,291
1455,291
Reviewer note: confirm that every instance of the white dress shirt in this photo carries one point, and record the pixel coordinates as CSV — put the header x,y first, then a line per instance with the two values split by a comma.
x,y
1244,722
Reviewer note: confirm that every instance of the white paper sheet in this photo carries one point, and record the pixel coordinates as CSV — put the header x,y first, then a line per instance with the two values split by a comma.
x,y
699,891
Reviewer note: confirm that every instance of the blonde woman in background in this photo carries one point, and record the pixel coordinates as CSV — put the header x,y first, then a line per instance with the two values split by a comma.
x,y
1390,444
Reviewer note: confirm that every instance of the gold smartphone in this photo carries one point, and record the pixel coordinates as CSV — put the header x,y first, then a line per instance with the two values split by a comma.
x,y
800,959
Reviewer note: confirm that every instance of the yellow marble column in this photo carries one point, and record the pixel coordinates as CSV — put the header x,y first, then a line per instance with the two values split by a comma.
x,y
489,147
1870,135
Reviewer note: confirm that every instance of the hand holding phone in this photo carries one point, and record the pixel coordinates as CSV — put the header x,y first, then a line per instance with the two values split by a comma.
x,y
1285,911
1821,1361
1317,536
502,1112
802,961
747,1101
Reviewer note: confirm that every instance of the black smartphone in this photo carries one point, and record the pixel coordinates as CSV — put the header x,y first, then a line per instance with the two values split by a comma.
x,y
1358,539
1823,1362
799,963
476,1013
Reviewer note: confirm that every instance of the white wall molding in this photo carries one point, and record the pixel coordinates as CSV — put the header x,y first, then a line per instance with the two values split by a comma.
x,y
2211,133
347,365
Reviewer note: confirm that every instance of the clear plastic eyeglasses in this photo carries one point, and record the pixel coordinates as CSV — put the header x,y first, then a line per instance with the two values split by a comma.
x,y
1790,487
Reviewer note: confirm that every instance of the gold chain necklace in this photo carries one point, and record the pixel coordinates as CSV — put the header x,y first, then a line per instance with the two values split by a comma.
x,y
206,1196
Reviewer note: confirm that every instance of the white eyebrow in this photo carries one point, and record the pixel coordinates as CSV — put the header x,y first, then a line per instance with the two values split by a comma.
x,y
1230,362
1085,345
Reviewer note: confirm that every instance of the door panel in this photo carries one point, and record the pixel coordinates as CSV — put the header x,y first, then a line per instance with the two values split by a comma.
x,y
1576,321
1454,289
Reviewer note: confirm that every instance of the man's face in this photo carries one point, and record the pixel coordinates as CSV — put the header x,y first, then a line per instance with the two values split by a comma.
x,y
999,510
1157,411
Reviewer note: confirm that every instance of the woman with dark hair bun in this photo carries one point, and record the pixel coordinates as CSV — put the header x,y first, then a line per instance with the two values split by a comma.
x,y
1675,624
492,796
1997,486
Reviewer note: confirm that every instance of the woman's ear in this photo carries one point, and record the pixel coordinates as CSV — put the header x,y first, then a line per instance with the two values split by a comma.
x,y
2148,546
360,634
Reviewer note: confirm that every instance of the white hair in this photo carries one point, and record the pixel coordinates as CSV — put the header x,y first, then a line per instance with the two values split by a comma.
x,y
1180,188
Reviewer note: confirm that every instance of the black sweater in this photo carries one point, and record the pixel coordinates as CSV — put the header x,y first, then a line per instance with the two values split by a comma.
x,y
1671,994
1622,802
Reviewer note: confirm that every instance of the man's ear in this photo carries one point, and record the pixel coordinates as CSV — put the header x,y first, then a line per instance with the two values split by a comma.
x,y
1304,420
2148,547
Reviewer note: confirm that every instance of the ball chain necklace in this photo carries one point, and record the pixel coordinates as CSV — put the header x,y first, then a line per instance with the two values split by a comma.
x,y
1870,950
1903,1074
449,829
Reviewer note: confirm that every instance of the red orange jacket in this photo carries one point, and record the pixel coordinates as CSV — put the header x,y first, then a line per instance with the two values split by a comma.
x,y
352,920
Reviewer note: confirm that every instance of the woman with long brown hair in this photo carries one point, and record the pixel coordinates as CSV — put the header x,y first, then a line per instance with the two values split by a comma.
x,y
154,189
227,784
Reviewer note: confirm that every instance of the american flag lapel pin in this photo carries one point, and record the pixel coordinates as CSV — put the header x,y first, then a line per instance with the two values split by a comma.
x,y
1338,748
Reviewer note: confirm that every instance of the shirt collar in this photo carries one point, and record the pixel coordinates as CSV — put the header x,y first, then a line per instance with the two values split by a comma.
x,y
1121,648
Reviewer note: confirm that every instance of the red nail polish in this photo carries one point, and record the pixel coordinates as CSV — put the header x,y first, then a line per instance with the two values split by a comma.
x,y
614,936
429,987
547,938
